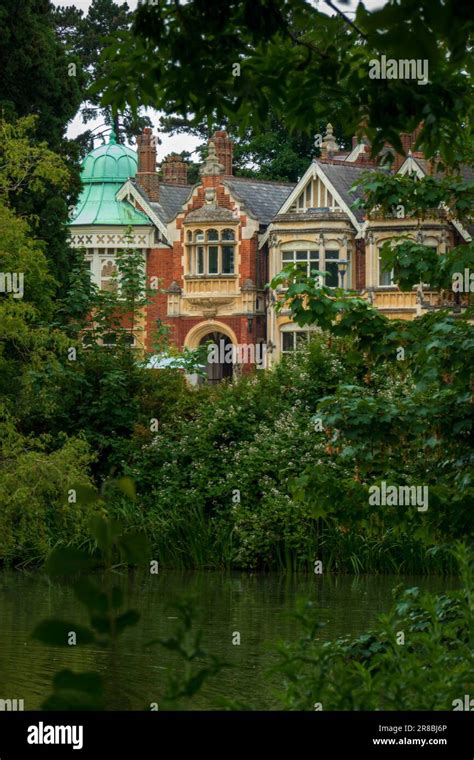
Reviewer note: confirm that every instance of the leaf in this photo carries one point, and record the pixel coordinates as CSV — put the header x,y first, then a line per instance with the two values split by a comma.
x,y
104,531
56,632
75,691
127,486
91,596
85,494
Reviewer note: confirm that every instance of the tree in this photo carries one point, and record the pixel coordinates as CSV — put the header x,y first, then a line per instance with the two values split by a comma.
x,y
303,65
272,154
38,77
86,36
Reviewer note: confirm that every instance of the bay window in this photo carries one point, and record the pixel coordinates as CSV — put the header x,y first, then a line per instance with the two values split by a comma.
x,y
211,253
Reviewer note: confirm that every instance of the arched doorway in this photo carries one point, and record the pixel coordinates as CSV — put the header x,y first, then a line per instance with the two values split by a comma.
x,y
214,332
219,357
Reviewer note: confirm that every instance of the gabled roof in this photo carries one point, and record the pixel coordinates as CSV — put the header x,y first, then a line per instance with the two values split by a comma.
x,y
261,198
342,177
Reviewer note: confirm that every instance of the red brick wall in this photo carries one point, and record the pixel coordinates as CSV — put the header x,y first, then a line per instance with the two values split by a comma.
x,y
360,265
166,264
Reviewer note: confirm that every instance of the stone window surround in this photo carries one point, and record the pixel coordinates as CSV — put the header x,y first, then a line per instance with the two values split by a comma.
x,y
191,246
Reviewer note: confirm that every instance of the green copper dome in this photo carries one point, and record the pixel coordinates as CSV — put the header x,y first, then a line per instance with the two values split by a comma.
x,y
109,163
104,170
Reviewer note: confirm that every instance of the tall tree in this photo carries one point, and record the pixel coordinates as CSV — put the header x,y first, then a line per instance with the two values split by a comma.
x,y
86,36
39,77
239,59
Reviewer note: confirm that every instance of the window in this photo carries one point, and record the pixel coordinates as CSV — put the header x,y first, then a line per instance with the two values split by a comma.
x,y
331,268
385,278
291,340
306,261
213,253
112,338
200,260
228,259
108,272
216,255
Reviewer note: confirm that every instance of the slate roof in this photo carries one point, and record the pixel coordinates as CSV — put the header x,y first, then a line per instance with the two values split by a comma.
x,y
342,177
172,198
467,172
262,198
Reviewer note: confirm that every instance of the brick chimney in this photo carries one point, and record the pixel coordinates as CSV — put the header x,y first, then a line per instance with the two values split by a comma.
x,y
174,170
146,175
408,139
224,150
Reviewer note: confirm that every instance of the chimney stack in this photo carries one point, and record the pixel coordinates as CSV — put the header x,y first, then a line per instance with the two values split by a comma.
x,y
224,150
174,170
147,176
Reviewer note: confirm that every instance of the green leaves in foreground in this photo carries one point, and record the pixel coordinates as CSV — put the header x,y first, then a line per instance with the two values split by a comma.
x,y
103,600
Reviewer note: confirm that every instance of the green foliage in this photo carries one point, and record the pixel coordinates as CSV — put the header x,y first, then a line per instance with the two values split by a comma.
x,y
34,486
419,197
300,64
375,671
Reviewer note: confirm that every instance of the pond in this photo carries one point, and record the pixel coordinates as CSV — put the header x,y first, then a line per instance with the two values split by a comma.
x,y
258,607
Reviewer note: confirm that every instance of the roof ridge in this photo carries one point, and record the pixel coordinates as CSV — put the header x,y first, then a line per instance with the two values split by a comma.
x,y
255,179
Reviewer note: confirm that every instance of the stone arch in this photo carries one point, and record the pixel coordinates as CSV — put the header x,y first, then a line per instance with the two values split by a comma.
x,y
198,332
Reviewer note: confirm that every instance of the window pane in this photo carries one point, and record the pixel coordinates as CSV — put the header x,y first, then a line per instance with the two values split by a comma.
x,y
110,339
190,235
314,255
200,260
212,235
213,259
228,235
385,278
301,255
332,274
228,259
199,236
288,256
332,254
287,343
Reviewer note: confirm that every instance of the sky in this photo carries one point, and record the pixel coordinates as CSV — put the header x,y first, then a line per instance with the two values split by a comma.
x,y
177,143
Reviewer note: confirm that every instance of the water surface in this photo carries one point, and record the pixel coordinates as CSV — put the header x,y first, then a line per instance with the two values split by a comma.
x,y
258,607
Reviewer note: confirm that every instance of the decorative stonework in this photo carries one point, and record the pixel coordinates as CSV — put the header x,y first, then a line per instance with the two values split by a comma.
x,y
211,167
111,240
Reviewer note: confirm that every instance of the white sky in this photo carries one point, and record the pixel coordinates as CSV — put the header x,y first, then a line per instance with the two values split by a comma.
x,y
177,143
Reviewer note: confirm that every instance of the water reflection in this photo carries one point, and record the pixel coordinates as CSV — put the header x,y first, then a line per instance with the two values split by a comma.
x,y
258,607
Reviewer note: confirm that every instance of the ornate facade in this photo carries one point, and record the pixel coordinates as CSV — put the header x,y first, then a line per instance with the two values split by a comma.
x,y
210,249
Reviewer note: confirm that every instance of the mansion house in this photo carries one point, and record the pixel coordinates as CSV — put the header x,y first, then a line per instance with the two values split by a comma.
x,y
214,246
